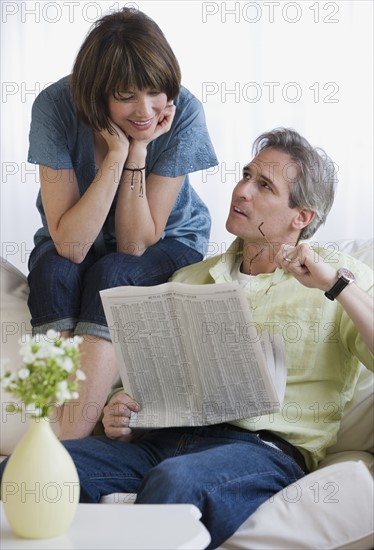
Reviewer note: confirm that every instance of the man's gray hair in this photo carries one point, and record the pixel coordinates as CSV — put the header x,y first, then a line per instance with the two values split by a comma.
x,y
314,186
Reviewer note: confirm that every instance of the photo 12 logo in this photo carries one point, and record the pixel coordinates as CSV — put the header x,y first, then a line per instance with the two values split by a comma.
x,y
270,12
54,12
271,92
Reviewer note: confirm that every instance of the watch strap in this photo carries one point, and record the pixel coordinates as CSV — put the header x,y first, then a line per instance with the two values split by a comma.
x,y
340,285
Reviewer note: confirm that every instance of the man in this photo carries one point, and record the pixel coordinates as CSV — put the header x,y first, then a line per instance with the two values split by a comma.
x,y
228,470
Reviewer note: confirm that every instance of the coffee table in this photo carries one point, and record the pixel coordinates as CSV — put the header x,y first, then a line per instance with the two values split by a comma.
x,y
116,526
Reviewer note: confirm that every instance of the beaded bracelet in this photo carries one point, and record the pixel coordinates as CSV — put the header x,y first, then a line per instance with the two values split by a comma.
x,y
133,170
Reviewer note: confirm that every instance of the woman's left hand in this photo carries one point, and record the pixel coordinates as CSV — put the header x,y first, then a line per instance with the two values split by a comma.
x,y
163,124
165,121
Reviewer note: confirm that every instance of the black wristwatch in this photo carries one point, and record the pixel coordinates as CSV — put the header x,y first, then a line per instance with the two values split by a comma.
x,y
346,277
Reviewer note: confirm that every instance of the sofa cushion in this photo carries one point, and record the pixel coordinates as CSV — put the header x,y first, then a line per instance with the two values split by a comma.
x,y
356,430
362,249
359,411
15,323
329,508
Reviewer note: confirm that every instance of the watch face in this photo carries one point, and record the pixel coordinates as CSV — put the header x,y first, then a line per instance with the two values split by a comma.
x,y
348,275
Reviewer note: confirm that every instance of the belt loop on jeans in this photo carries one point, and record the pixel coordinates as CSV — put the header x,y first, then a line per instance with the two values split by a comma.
x,y
284,446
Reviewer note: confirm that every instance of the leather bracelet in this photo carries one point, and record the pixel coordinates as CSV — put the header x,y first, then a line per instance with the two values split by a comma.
x,y
133,170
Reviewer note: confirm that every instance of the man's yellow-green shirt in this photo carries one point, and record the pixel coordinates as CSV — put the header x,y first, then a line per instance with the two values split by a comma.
x,y
323,348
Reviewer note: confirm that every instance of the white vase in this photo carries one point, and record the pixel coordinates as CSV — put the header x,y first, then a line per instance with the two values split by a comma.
x,y
40,484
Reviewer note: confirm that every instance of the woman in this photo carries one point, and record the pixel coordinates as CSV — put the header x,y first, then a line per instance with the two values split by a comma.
x,y
114,142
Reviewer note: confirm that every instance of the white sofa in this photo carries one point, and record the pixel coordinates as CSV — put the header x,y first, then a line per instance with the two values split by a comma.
x,y
331,508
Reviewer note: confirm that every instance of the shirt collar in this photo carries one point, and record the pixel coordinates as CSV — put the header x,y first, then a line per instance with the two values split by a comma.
x,y
221,270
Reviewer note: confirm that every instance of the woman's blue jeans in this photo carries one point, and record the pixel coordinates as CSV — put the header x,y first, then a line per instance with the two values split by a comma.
x,y
226,473
65,295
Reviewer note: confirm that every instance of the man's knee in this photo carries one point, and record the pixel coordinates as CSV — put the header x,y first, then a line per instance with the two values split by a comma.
x,y
171,481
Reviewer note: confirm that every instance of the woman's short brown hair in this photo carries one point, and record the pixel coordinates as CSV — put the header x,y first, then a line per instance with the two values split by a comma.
x,y
125,49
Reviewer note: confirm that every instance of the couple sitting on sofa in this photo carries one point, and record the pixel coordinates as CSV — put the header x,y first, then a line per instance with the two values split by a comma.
x,y
229,470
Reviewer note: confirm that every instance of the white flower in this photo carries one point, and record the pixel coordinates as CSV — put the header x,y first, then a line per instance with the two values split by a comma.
x,y
67,364
62,385
49,375
23,373
52,335
72,342
62,394
28,356
80,375
44,352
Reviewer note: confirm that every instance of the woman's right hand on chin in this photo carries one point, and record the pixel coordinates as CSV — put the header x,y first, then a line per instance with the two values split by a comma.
x,y
116,416
118,141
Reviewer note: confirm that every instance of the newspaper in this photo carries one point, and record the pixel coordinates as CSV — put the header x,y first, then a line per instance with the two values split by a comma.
x,y
191,355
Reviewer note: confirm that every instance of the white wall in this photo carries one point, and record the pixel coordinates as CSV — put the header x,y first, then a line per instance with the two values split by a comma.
x,y
255,65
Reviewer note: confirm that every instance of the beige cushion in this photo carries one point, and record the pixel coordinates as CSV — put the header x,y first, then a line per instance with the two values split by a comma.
x,y
362,249
15,323
330,508
359,412
357,427
356,430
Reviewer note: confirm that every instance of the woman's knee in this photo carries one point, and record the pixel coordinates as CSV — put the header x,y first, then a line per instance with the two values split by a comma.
x,y
51,268
55,290
116,269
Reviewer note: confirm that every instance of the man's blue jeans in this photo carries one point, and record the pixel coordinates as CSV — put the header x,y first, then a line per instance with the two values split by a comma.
x,y
225,472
